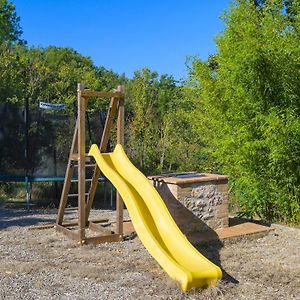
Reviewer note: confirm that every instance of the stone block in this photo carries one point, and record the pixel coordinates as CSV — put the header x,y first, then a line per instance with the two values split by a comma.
x,y
197,201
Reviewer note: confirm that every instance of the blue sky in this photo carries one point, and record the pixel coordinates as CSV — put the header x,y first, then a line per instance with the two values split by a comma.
x,y
126,35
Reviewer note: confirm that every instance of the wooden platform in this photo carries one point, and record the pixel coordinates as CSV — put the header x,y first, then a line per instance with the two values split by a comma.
x,y
238,230
241,230
128,228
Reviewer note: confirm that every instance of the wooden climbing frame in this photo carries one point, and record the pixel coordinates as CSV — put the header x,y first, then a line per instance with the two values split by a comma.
x,y
78,155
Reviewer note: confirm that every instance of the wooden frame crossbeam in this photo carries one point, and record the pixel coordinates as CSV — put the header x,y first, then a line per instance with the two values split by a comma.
x,y
78,153
113,106
89,93
65,224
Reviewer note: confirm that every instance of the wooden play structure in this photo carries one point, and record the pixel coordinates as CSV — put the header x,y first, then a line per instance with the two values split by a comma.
x,y
78,158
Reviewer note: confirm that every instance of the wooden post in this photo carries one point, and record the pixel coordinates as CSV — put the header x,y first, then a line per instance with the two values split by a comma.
x,y
78,153
68,177
120,140
103,147
81,163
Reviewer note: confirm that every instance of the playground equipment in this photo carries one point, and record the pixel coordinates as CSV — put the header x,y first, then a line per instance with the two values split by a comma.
x,y
153,223
151,219
78,158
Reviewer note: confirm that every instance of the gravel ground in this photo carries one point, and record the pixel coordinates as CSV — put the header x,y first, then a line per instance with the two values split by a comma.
x,y
42,264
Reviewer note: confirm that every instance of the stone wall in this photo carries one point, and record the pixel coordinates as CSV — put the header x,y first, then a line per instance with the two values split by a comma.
x,y
206,200
196,206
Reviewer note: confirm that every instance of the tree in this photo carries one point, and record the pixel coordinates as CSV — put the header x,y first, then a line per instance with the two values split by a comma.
x,y
161,132
11,73
142,125
45,74
10,30
251,105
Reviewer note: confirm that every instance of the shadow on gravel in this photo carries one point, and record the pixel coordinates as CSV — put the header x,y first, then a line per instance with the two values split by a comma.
x,y
211,250
197,232
240,220
22,218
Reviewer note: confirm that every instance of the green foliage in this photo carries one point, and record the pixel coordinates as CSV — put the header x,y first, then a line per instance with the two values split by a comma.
x,y
147,97
11,71
250,106
44,74
10,30
50,74
183,136
162,124
238,114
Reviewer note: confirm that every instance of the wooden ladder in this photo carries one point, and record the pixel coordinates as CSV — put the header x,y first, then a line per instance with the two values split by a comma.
x,y
80,159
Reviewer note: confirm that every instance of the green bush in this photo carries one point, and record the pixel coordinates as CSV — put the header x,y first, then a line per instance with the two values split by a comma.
x,y
250,98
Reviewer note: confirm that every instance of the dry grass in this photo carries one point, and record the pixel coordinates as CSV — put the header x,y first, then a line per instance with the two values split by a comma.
x,y
45,265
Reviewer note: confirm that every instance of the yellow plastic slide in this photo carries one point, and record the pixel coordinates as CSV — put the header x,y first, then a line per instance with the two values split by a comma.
x,y
153,223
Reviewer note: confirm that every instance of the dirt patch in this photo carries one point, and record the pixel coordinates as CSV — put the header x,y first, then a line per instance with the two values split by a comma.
x,y
43,264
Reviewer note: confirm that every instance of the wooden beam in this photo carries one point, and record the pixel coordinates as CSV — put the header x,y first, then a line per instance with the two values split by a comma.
x,y
103,146
65,224
72,234
73,223
108,124
90,93
41,227
71,209
120,140
120,123
81,162
68,177
77,152
98,228
103,239
75,156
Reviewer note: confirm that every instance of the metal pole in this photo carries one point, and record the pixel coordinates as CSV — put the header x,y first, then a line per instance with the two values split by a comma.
x,y
26,152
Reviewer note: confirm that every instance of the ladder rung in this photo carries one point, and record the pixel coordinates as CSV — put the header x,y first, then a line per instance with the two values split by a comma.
x,y
86,165
71,208
87,180
90,165
75,156
76,195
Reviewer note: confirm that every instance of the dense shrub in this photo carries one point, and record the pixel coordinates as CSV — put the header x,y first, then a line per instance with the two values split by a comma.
x,y
250,94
